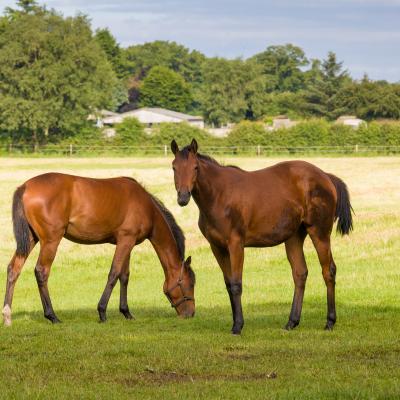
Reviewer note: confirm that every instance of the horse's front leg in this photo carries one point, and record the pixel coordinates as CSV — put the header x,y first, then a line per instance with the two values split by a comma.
x,y
121,257
234,283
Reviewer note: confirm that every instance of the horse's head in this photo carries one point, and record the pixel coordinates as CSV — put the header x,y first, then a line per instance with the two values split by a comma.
x,y
179,289
185,166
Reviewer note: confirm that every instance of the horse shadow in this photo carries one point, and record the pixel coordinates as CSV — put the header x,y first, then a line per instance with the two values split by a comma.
x,y
260,317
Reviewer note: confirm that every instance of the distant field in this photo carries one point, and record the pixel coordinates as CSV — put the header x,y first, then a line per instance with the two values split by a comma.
x,y
161,356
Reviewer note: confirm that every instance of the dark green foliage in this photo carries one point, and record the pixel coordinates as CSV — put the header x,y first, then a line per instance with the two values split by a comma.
x,y
232,90
164,88
142,58
286,103
113,51
370,100
52,74
281,66
320,98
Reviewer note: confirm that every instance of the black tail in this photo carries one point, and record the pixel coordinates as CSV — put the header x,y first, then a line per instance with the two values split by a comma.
x,y
20,223
343,206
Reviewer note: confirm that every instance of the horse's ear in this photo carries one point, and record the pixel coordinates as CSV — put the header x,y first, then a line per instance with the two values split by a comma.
x,y
174,146
188,262
194,146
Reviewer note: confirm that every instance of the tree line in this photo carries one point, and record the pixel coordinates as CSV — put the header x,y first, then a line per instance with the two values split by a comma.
x,y
55,71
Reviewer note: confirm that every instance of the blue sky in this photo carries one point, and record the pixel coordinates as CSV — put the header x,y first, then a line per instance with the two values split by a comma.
x,y
365,34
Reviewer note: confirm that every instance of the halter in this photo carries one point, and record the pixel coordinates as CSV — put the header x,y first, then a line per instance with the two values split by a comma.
x,y
180,284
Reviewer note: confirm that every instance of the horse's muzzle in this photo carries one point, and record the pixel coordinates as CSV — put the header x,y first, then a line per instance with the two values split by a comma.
x,y
183,198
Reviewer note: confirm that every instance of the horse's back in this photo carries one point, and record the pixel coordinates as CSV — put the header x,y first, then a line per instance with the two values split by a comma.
x,y
87,210
268,206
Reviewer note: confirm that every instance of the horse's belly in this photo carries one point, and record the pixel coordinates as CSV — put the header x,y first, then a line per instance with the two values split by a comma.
x,y
88,234
265,231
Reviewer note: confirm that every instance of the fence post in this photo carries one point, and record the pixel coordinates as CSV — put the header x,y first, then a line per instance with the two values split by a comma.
x,y
10,148
356,148
165,150
258,149
70,150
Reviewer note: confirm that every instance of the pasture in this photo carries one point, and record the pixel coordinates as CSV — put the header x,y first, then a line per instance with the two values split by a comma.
x,y
160,356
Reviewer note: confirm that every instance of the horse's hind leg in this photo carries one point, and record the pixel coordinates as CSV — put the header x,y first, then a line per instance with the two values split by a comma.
x,y
123,299
295,255
13,272
322,244
42,271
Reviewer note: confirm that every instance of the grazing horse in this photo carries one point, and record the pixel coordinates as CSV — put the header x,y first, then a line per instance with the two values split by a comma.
x,y
120,211
279,204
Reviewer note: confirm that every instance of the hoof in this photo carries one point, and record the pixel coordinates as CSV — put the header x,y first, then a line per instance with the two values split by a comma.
x,y
127,314
236,330
53,319
329,325
291,325
7,315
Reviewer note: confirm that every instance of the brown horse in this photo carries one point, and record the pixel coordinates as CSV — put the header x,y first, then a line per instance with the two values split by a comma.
x,y
280,204
49,207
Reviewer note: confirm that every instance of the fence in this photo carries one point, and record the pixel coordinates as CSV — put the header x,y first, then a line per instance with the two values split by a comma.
x,y
160,150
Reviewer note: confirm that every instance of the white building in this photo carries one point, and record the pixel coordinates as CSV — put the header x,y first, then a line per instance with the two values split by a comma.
x,y
282,121
153,116
350,120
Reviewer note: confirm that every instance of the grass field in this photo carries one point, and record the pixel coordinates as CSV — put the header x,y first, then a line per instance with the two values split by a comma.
x,y
160,356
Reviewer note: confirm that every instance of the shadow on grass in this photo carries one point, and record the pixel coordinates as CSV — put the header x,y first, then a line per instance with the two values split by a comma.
x,y
218,319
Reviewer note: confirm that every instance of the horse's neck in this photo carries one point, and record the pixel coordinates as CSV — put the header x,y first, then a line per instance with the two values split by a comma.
x,y
208,185
164,243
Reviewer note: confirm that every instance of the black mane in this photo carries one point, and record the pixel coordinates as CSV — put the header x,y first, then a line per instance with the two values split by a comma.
x,y
177,233
175,228
185,152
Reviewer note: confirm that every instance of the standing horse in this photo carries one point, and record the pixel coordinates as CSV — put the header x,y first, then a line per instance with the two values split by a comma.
x,y
280,204
49,207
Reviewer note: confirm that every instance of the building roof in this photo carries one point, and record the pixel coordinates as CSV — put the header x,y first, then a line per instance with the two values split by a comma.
x,y
168,113
350,120
152,115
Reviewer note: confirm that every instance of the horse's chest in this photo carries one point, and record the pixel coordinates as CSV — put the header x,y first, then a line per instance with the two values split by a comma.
x,y
211,232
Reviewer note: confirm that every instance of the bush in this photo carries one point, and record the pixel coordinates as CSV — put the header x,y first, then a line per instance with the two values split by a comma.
x,y
88,135
130,132
308,133
247,133
317,132
183,133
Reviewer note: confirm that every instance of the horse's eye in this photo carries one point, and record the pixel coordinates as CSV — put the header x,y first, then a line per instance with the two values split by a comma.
x,y
196,168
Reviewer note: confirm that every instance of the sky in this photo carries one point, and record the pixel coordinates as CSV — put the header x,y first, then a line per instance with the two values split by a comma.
x,y
365,34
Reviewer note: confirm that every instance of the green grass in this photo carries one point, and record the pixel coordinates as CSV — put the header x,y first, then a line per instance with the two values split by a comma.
x,y
160,356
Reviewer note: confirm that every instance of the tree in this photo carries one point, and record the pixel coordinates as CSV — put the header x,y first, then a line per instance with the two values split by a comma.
x,y
52,73
114,53
143,58
282,67
163,87
26,7
321,96
370,100
140,59
232,90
